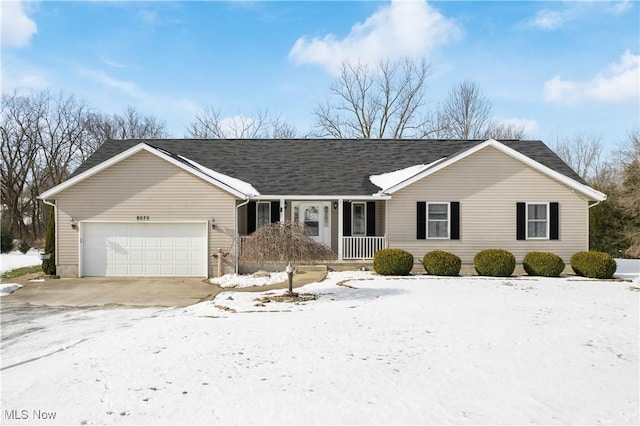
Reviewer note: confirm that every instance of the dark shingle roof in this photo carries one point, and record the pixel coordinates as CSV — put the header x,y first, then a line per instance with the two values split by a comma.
x,y
318,166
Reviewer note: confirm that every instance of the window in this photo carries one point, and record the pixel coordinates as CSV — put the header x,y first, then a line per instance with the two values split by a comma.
x,y
537,221
359,219
438,220
263,215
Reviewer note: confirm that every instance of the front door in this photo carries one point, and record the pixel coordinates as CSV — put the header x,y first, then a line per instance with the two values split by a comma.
x,y
316,216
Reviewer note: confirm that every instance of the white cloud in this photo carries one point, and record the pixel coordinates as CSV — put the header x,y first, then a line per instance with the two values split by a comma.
x,y
620,7
550,19
402,28
105,79
17,27
22,81
620,82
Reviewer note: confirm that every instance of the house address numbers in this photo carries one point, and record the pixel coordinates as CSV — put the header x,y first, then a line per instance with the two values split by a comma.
x,y
142,217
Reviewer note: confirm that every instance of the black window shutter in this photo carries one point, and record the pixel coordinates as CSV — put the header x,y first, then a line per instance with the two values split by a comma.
x,y
455,220
521,221
554,222
251,217
371,218
346,219
275,211
421,223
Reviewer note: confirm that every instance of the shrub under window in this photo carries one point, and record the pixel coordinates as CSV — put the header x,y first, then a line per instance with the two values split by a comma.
x,y
438,262
392,262
543,264
494,263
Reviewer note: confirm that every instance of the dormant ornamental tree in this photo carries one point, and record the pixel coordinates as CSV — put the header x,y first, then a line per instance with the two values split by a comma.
x,y
286,243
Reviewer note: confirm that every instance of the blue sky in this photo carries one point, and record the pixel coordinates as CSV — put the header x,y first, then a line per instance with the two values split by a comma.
x,y
560,68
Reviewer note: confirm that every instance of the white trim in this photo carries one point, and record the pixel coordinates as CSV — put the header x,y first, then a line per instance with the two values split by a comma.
x,y
340,227
583,189
130,152
526,220
373,197
448,204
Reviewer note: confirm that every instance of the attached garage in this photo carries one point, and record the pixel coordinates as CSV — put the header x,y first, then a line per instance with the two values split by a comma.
x,y
143,249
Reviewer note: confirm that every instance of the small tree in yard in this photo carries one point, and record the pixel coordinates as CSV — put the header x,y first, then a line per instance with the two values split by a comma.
x,y
284,242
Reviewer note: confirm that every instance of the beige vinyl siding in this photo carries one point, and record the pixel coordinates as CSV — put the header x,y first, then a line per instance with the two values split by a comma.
x,y
488,184
144,185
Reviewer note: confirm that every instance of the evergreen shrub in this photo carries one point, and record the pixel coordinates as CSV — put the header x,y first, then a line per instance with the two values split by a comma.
x,y
494,263
392,262
593,264
544,264
438,262
24,247
6,241
49,265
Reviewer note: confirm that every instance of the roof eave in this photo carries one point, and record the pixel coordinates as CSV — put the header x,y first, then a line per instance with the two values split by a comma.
x,y
49,194
573,184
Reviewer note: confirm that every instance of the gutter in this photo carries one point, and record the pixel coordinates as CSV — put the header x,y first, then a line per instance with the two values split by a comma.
x,y
55,230
237,251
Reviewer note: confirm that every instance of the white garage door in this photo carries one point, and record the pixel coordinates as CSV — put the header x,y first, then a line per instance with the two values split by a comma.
x,y
144,249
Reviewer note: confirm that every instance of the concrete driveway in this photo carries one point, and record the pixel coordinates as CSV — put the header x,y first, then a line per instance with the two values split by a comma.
x,y
163,292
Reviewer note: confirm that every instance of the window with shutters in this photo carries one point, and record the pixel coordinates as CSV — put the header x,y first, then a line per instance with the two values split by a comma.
x,y
537,221
438,220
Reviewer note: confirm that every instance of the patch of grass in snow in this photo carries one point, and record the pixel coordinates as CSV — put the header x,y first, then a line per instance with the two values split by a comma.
x,y
21,271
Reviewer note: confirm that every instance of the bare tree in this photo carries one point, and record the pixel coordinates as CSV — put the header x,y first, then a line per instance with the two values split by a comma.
x,y
132,124
497,130
209,124
19,152
466,113
583,153
43,137
386,101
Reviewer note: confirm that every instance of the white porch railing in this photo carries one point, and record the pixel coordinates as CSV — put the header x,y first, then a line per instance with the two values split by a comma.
x,y
354,248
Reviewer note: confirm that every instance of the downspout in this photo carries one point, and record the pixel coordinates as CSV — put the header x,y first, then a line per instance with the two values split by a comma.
x,y
55,216
237,254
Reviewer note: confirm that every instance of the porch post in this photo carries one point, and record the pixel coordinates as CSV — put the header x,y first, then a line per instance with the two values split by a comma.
x,y
283,213
340,230
386,223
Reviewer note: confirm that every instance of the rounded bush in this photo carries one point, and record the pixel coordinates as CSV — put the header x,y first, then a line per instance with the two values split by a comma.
x,y
494,263
392,262
593,264
438,262
543,264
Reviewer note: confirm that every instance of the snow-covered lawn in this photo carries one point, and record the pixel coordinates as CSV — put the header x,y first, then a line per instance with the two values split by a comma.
x,y
414,350
15,260
252,280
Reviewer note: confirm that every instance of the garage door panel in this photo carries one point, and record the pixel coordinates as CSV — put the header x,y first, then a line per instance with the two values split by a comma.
x,y
144,249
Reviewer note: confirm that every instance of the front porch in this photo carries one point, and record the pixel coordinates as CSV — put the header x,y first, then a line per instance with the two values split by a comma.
x,y
353,229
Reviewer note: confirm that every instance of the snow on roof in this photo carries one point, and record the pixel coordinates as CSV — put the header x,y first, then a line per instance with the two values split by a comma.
x,y
237,184
385,181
